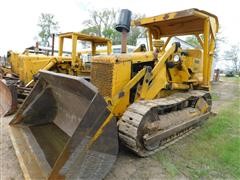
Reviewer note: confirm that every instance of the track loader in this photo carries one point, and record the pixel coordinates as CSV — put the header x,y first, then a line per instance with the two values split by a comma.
x,y
69,127
16,83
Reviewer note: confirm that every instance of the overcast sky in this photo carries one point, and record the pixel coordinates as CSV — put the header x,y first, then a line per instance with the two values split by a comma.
x,y
19,18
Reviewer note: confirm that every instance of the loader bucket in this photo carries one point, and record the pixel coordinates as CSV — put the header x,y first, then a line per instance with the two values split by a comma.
x,y
53,130
8,98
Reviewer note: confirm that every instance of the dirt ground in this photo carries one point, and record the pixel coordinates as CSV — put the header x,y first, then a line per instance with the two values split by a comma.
x,y
128,165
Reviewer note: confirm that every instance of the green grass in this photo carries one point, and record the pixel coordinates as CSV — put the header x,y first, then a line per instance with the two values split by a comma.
x,y
215,96
233,79
213,151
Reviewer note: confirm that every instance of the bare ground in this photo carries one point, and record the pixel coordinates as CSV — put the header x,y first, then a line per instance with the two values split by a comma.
x,y
128,165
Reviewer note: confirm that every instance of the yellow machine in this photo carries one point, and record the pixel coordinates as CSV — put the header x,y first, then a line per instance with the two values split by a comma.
x,y
27,65
69,128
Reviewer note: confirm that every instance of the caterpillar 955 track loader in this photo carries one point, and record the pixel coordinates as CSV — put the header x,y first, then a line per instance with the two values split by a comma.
x,y
16,84
69,128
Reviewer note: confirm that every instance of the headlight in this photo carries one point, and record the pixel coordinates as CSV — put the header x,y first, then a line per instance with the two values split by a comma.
x,y
176,58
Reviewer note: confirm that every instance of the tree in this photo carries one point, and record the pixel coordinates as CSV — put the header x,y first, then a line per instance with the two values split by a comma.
x,y
136,32
233,56
99,21
102,23
193,41
219,39
48,25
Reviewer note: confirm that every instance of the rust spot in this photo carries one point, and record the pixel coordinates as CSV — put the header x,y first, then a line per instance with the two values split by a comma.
x,y
166,16
184,13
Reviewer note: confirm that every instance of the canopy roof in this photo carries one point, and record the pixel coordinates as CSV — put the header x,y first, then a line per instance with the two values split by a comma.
x,y
178,23
85,37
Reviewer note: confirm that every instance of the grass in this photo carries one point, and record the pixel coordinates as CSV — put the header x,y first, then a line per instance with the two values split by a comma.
x,y
234,79
211,152
215,96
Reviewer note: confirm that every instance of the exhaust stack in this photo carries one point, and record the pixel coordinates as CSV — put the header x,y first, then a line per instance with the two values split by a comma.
x,y
123,26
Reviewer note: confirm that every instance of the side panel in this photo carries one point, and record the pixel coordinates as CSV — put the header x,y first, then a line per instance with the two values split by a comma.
x,y
121,76
110,78
13,59
193,63
31,66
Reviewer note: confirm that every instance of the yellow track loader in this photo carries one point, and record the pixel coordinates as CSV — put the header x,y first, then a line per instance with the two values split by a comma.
x,y
16,85
69,128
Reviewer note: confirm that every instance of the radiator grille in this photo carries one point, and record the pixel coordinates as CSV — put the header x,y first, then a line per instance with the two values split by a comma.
x,y
102,77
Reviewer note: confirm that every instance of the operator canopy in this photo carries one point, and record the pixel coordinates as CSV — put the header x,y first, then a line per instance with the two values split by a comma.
x,y
178,23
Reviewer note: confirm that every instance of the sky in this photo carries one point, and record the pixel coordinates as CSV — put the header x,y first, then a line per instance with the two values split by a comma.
x,y
19,18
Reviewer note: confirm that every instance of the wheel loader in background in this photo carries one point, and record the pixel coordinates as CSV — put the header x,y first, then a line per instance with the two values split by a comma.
x,y
70,128
17,82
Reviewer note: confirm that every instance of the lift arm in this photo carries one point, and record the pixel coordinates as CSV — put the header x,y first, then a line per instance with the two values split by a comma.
x,y
156,79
